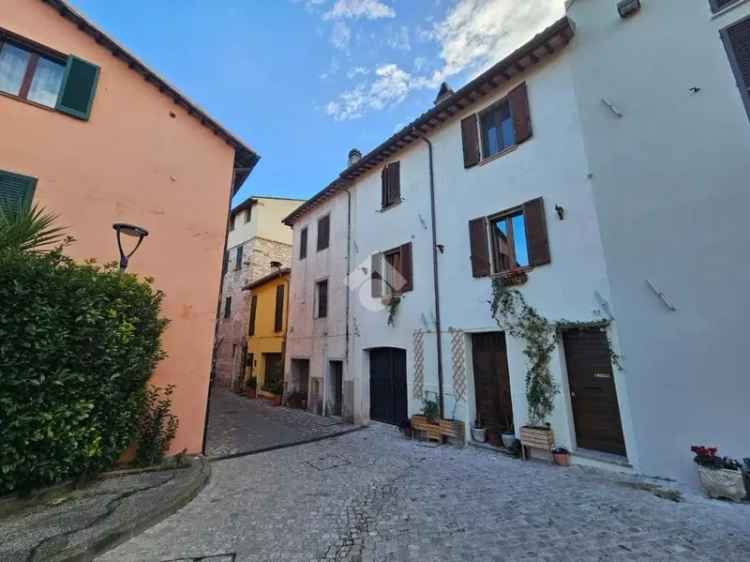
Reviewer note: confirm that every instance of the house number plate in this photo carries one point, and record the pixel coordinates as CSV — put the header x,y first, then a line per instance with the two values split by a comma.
x,y
602,376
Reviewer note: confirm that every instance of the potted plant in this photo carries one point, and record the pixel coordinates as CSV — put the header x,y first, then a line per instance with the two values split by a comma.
x,y
251,387
561,456
508,437
428,422
721,476
478,431
405,428
275,387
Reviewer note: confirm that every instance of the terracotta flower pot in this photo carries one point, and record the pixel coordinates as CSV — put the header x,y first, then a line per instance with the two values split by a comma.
x,y
562,459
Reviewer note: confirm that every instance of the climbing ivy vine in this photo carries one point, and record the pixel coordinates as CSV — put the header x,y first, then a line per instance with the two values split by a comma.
x,y
521,320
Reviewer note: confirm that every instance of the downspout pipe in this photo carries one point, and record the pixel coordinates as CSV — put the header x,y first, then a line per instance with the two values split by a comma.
x,y
436,282
348,270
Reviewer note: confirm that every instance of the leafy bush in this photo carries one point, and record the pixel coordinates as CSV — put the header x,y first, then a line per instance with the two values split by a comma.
x,y
78,344
156,426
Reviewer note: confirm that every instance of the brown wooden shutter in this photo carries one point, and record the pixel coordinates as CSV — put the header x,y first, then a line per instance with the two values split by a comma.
x,y
737,41
480,251
394,184
303,244
470,137
253,312
536,232
324,232
519,111
278,321
406,268
376,285
384,177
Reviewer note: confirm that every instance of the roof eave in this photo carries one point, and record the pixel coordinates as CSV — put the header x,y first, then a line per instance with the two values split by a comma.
x,y
544,45
245,157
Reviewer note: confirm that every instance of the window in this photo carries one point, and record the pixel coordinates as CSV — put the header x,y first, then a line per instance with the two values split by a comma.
x,y
737,41
30,76
497,129
232,219
303,244
321,299
248,215
509,240
16,191
225,263
227,307
278,321
509,247
253,313
502,125
395,268
238,259
250,362
324,232
391,184
67,84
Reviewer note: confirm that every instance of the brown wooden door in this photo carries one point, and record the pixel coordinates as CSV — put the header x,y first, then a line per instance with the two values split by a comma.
x,y
492,384
592,391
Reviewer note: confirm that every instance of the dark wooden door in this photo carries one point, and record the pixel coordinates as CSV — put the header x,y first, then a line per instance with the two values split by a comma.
x,y
336,388
492,384
388,399
592,391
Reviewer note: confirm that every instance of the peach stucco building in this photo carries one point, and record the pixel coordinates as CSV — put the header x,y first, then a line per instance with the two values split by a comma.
x,y
93,135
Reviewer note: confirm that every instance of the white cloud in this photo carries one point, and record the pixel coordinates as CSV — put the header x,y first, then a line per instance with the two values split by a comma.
x,y
356,9
399,39
474,35
390,86
357,71
341,35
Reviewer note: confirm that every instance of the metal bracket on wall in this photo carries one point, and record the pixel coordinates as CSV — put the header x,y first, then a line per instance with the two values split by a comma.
x,y
609,105
604,305
661,295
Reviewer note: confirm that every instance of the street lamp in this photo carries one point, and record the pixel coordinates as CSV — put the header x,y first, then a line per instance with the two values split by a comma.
x,y
128,230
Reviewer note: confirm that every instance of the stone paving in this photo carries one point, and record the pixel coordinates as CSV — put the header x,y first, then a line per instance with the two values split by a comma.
x,y
374,496
242,425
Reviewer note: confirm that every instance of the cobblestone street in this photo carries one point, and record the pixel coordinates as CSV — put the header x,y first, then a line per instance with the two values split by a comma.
x,y
240,425
373,496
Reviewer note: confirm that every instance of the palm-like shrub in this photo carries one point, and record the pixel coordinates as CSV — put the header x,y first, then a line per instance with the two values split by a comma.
x,y
28,229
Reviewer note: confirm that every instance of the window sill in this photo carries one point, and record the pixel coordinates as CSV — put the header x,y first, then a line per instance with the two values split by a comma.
x,y
513,277
28,102
498,155
391,206
728,8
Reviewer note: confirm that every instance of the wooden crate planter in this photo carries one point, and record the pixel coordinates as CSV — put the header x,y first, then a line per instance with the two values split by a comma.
x,y
430,431
453,430
536,438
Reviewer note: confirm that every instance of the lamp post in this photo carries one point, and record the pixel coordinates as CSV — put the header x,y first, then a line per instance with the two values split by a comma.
x,y
128,230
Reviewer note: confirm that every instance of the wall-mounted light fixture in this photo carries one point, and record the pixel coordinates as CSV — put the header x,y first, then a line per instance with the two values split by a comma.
x,y
560,212
132,231
627,8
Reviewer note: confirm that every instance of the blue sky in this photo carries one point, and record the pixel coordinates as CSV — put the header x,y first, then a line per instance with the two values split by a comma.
x,y
304,81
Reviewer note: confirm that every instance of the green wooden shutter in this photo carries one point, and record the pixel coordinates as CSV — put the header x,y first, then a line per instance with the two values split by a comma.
x,y
78,88
16,191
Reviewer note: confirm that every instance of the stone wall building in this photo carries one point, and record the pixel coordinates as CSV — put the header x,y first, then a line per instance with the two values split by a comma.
x,y
258,243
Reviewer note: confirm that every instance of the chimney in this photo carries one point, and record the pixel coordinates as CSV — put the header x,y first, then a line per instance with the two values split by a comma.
x,y
444,93
354,157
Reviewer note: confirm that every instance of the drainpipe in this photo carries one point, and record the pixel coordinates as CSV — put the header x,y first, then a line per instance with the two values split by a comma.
x,y
435,274
348,268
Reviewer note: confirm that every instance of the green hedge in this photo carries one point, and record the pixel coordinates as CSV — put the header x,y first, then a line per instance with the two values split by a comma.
x,y
78,344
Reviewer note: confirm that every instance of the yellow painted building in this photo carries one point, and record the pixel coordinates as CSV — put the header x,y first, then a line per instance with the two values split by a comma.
x,y
269,301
